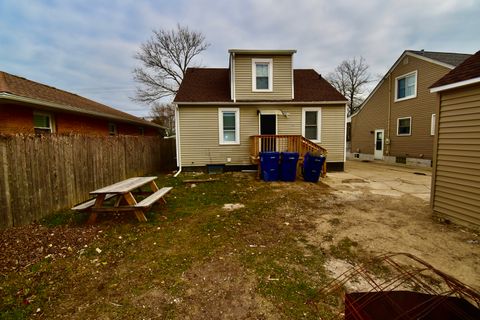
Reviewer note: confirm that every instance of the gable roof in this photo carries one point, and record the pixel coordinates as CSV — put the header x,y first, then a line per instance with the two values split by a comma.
x,y
15,88
466,73
446,59
203,85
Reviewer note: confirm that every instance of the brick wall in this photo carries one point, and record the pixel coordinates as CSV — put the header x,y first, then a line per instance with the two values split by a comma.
x,y
15,119
19,119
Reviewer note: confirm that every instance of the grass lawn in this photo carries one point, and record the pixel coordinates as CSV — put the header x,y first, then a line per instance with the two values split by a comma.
x,y
192,259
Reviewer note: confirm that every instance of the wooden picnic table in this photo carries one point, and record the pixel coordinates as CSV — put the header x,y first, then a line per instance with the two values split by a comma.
x,y
124,192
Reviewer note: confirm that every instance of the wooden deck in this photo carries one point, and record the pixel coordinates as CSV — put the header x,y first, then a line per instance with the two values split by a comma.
x,y
284,143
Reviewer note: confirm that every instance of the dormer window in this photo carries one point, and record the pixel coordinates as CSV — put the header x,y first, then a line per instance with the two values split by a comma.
x,y
262,75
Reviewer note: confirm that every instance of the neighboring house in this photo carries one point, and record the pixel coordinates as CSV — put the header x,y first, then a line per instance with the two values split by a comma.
x,y
31,107
226,115
396,122
456,166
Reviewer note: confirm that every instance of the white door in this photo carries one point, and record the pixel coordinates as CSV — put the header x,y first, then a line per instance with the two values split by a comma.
x,y
378,154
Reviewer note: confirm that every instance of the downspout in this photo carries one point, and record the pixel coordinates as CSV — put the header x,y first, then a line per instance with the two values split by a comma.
x,y
177,141
389,113
345,136
233,78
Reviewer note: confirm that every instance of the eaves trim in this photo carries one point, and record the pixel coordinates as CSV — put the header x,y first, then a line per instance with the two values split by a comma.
x,y
455,85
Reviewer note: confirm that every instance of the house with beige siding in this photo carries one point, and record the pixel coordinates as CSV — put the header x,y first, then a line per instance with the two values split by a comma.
x,y
396,123
456,157
226,116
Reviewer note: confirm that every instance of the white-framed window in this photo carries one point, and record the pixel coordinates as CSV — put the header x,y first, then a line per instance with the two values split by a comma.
x,y
43,122
262,75
312,124
112,129
433,122
404,126
406,86
229,125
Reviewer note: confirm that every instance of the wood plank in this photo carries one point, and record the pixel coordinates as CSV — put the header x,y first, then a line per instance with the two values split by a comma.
x,y
6,218
150,200
125,185
90,203
132,202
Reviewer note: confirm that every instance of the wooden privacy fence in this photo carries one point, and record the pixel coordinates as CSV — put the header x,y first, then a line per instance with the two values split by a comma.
x,y
43,174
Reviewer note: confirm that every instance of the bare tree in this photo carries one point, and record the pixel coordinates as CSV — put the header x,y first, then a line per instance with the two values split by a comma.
x,y
350,78
164,115
165,58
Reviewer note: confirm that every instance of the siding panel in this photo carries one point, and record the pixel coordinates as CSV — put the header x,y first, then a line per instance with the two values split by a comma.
x,y
282,78
456,189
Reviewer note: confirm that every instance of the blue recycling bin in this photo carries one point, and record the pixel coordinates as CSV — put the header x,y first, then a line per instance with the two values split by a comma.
x,y
312,167
288,166
269,165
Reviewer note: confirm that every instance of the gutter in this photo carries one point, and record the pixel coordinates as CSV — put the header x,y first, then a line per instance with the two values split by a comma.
x,y
241,103
177,141
232,79
57,106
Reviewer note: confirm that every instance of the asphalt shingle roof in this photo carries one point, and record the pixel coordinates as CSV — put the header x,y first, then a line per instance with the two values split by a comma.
x,y
451,58
22,87
213,85
467,70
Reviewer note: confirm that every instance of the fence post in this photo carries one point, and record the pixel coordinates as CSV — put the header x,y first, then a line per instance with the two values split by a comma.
x,y
6,218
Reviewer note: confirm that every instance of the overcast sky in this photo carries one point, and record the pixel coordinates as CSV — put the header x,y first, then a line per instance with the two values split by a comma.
x,y
87,46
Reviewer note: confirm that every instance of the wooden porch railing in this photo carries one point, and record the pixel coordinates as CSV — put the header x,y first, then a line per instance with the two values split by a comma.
x,y
284,143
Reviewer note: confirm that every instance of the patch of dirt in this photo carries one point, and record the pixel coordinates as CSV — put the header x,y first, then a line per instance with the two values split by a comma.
x,y
21,247
381,219
338,267
221,289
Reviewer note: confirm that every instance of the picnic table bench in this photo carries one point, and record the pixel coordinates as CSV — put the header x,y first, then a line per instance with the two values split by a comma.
x,y
125,192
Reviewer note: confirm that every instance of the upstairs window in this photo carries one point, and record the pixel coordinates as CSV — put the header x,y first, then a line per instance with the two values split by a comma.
x,y
42,123
404,126
406,86
229,125
262,74
311,123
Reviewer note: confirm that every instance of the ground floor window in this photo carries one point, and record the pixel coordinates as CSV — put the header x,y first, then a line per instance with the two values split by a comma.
x,y
311,123
404,126
42,122
229,125
112,129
